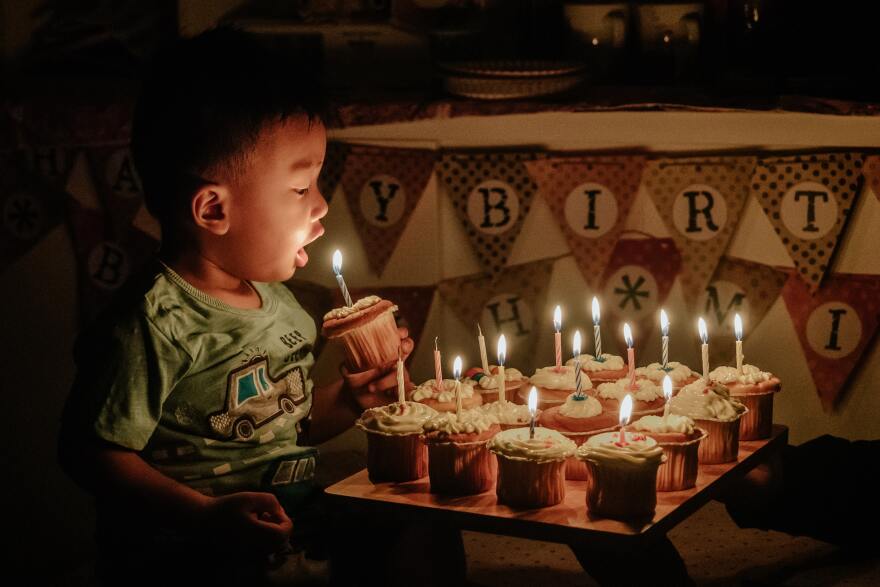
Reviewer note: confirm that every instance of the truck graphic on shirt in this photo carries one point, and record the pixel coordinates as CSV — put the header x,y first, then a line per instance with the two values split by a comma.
x,y
254,399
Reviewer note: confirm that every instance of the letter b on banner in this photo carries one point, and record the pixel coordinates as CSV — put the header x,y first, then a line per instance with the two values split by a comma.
x,y
108,266
699,212
591,210
493,207
834,330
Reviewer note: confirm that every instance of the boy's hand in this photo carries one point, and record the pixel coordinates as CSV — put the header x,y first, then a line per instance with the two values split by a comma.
x,y
378,386
255,519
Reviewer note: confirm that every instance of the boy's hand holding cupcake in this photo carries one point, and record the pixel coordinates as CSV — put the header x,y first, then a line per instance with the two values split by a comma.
x,y
377,386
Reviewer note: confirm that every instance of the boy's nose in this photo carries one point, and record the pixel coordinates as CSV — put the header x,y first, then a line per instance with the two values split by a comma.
x,y
320,209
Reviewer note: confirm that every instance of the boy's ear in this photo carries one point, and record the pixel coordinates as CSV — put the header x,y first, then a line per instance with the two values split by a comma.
x,y
210,209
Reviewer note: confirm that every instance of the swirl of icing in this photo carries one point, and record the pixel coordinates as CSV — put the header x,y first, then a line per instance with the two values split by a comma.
x,y
550,378
361,304
547,445
490,380
472,421
646,390
664,424
427,391
699,401
751,375
655,372
396,418
604,449
583,406
589,362
507,412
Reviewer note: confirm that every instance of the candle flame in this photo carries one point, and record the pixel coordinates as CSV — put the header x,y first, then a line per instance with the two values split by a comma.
x,y
704,334
456,368
738,327
596,315
667,387
502,349
626,407
664,323
557,318
576,344
533,401
627,335
337,262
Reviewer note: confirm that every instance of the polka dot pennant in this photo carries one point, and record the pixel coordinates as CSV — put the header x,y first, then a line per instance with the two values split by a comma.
x,y
491,194
331,171
871,172
700,200
590,197
383,187
808,199
118,186
513,304
835,326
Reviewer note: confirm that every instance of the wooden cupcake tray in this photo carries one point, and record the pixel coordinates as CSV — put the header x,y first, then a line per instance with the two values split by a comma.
x,y
564,522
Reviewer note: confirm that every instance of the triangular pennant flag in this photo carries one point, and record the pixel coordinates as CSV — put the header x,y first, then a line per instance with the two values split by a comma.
x,y
491,194
331,170
808,199
637,280
834,326
29,208
383,187
590,198
871,173
700,200
510,305
737,287
52,163
118,186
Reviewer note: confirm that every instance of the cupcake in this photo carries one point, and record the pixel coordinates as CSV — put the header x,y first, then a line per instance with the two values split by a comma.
x,y
458,461
487,383
607,368
622,476
443,400
554,386
712,409
367,331
754,389
647,396
508,414
580,417
680,441
680,374
394,448
531,471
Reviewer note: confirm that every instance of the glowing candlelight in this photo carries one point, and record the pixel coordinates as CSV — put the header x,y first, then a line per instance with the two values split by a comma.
x,y
667,393
738,330
401,390
438,368
456,374
626,407
501,350
664,331
576,351
630,355
337,269
704,336
533,410
557,324
597,334
482,342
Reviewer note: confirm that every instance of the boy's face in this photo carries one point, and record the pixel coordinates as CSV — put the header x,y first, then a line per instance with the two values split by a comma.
x,y
275,205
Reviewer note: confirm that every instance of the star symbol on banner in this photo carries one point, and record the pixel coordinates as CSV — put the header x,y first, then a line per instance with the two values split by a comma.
x,y
23,216
631,292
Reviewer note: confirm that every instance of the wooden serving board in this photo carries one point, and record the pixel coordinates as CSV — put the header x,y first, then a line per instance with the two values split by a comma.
x,y
564,522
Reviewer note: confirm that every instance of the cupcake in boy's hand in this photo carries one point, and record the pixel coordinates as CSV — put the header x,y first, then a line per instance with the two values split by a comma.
x,y
367,332
394,448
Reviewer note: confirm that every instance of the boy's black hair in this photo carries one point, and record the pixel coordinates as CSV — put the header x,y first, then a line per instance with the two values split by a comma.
x,y
203,105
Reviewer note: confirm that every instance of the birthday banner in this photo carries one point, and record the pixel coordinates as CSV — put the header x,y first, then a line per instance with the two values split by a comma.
x,y
492,194
512,305
637,281
871,173
808,199
590,197
835,327
700,200
737,287
52,164
117,184
383,187
331,170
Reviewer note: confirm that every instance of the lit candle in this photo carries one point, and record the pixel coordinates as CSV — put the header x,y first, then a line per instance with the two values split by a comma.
x,y
704,336
482,342
438,369
630,355
597,335
557,324
401,390
664,331
667,393
337,269
533,410
501,350
456,374
626,407
576,351
738,330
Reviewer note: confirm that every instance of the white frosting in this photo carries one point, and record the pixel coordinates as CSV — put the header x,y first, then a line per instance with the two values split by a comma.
x,y
699,402
583,406
550,378
547,445
427,391
589,362
396,418
361,304
508,412
472,421
665,424
655,372
646,390
751,375
639,450
491,380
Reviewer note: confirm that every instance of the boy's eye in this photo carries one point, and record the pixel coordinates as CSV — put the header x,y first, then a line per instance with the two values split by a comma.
x,y
302,191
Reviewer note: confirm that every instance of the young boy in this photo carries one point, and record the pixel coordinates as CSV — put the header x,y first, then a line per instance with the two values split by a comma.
x,y
192,409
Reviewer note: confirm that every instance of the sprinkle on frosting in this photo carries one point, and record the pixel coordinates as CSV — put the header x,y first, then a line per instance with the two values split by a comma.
x,y
580,406
472,421
507,412
676,371
751,375
706,402
665,424
547,445
427,391
589,362
490,380
605,449
550,378
396,418
646,390
361,304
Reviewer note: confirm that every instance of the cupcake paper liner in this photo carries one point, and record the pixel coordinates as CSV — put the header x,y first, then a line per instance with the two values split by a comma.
x,y
460,468
682,462
530,484
575,469
621,492
757,423
395,457
370,345
722,443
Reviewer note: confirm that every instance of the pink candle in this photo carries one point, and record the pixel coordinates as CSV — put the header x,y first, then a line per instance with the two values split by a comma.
x,y
438,370
630,355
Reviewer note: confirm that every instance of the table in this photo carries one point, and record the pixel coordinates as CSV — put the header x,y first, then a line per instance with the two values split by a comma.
x,y
565,522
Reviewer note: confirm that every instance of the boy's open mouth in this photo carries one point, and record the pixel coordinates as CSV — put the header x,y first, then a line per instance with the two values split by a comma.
x,y
302,257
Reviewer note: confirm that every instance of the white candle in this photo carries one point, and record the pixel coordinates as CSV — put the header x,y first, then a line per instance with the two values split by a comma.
x,y
438,368
501,350
630,355
482,342
533,410
337,269
738,330
401,390
626,407
597,334
664,331
456,374
576,351
557,324
704,336
667,393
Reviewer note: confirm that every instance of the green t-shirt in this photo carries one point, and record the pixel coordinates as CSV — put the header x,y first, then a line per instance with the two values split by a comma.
x,y
208,394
